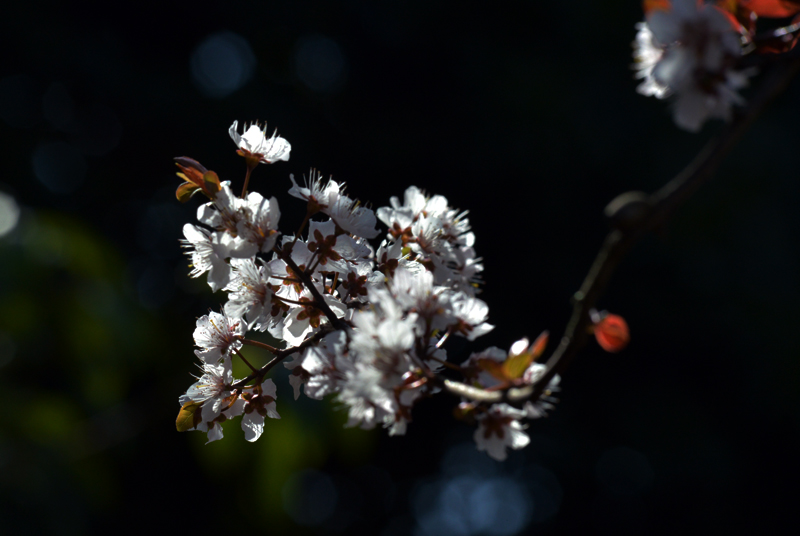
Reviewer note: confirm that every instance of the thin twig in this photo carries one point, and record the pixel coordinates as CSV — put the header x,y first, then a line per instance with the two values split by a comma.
x,y
279,355
319,301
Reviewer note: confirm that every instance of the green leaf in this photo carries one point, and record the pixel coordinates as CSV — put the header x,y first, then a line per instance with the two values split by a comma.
x,y
495,368
516,365
188,417
185,191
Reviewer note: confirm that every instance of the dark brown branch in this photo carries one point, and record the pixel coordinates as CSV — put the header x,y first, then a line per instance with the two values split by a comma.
x,y
659,208
279,355
305,278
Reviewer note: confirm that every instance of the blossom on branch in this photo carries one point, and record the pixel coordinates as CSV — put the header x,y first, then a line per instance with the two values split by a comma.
x,y
218,335
499,428
689,49
370,328
209,401
254,143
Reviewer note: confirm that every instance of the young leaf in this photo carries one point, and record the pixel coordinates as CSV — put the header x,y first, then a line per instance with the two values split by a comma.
x,y
185,191
495,368
516,365
188,417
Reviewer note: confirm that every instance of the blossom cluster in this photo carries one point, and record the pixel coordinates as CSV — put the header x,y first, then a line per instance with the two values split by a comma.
x,y
691,51
366,324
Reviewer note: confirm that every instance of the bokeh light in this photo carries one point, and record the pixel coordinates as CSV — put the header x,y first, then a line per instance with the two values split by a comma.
x,y
9,214
222,63
477,495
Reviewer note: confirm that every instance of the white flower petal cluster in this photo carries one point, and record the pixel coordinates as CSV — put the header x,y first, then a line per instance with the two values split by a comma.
x,y
689,52
500,425
366,327
499,428
250,295
254,140
240,228
328,197
375,366
436,236
213,391
255,406
217,335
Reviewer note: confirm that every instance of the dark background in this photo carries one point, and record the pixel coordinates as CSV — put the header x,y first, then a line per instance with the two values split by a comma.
x,y
529,119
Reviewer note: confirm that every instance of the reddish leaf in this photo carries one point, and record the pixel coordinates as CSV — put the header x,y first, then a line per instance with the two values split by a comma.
x,y
537,348
653,5
777,9
741,19
191,170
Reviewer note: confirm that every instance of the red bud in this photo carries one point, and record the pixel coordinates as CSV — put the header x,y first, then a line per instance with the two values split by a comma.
x,y
612,333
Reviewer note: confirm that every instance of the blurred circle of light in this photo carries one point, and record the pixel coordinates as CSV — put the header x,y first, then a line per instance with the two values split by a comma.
x,y
319,63
624,472
222,63
59,166
310,497
9,214
469,505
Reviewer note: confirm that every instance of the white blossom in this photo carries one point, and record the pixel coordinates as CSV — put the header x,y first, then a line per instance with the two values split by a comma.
x,y
318,195
690,51
259,222
255,141
213,391
217,335
320,367
498,428
302,320
208,252
250,293
256,405
647,53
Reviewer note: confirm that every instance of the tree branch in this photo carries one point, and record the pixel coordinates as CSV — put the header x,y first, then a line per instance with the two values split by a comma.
x,y
653,211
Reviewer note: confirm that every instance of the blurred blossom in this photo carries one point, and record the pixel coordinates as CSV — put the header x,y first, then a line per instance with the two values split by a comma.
x,y
59,166
319,63
310,497
222,63
9,214
624,472
58,107
19,101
